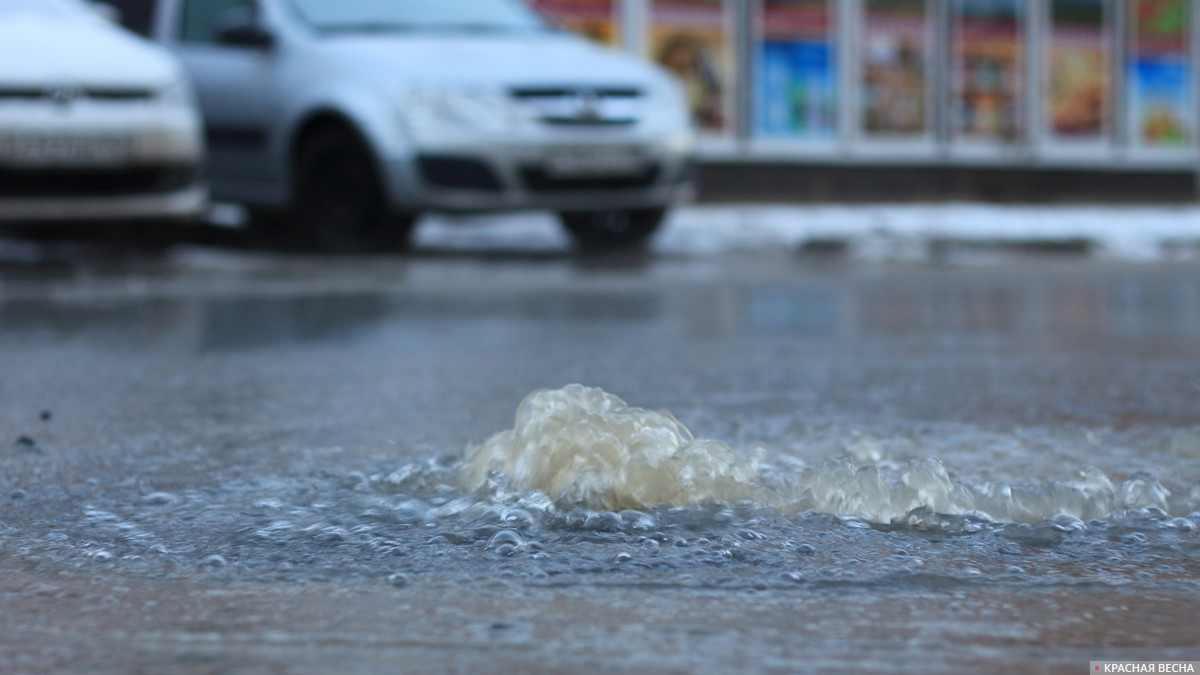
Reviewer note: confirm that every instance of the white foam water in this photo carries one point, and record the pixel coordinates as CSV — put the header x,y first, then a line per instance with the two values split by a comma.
x,y
582,446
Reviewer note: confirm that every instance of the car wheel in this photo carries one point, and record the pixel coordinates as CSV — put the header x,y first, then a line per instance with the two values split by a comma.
x,y
155,237
271,227
339,202
611,230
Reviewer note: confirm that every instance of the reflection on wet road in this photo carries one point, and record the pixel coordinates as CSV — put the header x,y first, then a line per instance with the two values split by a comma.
x,y
279,305
249,461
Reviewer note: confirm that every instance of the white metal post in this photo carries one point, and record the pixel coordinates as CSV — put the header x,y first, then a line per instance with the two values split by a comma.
x,y
1120,94
1193,62
631,25
847,15
942,113
743,68
1036,52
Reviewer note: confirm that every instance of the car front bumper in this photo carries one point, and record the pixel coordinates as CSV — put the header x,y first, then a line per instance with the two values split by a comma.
x,y
184,204
495,176
98,161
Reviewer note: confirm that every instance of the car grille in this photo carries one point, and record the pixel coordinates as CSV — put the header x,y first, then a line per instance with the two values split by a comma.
x,y
537,179
94,182
582,106
63,95
457,172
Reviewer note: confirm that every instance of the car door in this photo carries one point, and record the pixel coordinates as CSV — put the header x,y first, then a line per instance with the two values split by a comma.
x,y
236,86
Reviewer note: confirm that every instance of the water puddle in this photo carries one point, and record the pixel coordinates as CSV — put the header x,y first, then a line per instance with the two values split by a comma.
x,y
246,462
585,489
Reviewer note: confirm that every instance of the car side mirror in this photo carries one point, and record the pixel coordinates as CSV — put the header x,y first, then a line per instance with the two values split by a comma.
x,y
239,27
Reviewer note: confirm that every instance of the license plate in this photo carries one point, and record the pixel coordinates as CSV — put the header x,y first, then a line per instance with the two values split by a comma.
x,y
64,151
595,161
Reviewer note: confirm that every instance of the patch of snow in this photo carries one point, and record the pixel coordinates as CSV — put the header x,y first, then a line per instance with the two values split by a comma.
x,y
1138,232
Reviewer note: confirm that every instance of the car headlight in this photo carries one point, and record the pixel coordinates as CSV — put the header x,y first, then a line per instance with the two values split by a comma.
x,y
177,93
438,111
668,108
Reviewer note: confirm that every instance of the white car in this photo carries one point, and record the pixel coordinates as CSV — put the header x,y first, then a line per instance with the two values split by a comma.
x,y
344,119
96,123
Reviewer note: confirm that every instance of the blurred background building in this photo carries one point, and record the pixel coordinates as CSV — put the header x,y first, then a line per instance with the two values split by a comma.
x,y
1075,87
919,98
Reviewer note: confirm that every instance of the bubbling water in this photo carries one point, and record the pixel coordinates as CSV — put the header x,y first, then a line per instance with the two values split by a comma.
x,y
582,446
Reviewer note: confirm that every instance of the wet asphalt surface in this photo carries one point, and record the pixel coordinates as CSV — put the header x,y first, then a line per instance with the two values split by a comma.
x,y
214,379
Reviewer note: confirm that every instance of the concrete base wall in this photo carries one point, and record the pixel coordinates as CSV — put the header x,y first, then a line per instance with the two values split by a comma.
x,y
720,181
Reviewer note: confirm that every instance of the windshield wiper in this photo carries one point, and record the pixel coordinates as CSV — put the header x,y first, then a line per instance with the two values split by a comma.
x,y
390,27
480,28
369,27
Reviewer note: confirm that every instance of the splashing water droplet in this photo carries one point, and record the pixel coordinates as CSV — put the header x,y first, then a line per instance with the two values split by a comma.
x,y
410,511
1142,490
637,520
517,518
1067,523
604,521
505,538
159,499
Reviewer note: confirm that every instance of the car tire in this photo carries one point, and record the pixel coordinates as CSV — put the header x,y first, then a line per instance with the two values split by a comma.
x,y
612,230
339,204
271,227
157,237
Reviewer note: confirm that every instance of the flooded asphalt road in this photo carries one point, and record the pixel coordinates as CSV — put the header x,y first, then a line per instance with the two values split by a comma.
x,y
228,461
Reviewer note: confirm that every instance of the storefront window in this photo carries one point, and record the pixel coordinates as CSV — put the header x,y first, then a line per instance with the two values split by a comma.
x,y
591,18
896,49
796,78
691,39
987,73
1158,72
1079,63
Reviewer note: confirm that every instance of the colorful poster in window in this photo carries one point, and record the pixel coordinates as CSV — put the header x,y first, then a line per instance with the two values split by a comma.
x,y
689,38
591,18
895,58
1159,73
1078,65
796,78
987,69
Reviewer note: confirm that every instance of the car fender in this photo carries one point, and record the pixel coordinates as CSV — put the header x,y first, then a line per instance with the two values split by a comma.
x,y
364,107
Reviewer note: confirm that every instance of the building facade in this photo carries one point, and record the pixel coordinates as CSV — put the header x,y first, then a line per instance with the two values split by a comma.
x,y
1087,84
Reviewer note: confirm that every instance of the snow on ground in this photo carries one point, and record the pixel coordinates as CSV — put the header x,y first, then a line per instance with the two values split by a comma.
x,y
903,231
1140,232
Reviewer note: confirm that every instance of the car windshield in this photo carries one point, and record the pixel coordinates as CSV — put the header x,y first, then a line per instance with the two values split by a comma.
x,y
419,15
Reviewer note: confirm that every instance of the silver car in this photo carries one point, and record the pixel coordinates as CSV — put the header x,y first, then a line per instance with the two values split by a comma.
x,y
96,124
342,120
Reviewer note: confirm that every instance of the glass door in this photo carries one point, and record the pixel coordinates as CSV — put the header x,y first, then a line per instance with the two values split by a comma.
x,y
1159,87
693,39
795,70
896,49
1077,80
988,73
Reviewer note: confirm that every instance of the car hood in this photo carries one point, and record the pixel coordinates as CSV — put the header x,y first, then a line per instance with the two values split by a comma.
x,y
490,60
39,50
